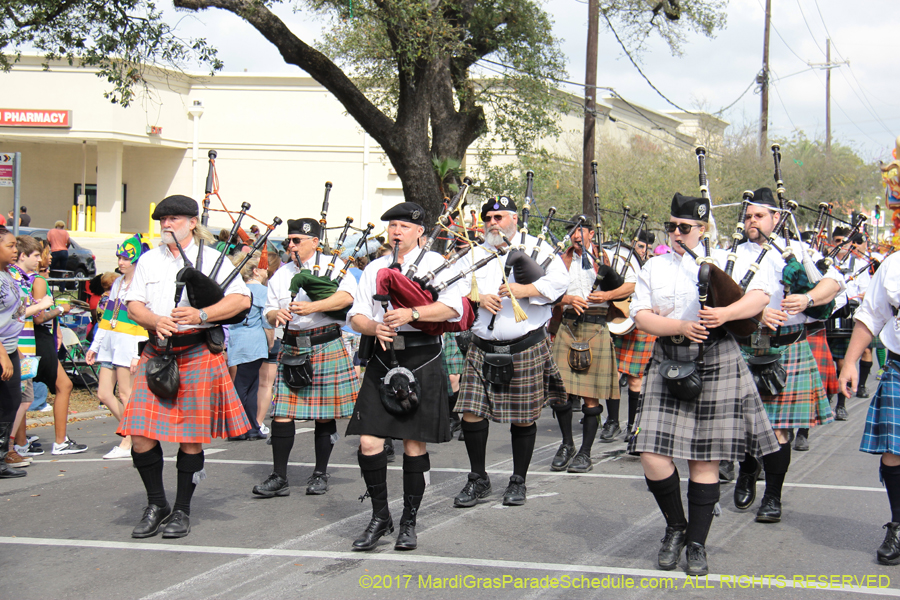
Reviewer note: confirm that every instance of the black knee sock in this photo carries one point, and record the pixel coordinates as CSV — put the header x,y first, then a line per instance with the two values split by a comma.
x,y
668,496
702,498
564,418
522,448
373,467
149,465
414,469
748,465
476,444
612,409
777,465
324,433
187,465
634,399
840,400
590,425
804,431
891,478
864,367
282,443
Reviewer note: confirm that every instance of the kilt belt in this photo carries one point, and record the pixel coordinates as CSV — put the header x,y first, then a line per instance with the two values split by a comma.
x,y
302,339
409,339
776,341
679,340
180,340
595,316
511,346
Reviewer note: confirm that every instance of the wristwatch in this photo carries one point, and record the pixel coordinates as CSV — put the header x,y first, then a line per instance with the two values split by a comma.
x,y
809,301
203,317
415,315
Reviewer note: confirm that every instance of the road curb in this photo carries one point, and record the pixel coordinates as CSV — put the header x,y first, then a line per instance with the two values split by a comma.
x,y
73,417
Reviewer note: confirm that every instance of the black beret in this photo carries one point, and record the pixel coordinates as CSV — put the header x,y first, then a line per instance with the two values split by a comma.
x,y
840,231
496,203
690,207
588,222
646,237
765,197
409,212
176,206
808,236
308,227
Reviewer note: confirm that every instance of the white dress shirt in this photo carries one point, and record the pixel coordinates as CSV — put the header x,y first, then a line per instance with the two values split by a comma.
x,y
879,307
154,279
581,280
279,294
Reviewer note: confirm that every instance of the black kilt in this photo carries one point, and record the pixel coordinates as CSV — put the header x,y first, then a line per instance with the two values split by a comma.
x,y
430,423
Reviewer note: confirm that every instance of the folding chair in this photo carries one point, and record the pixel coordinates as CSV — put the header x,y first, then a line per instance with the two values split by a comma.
x,y
74,360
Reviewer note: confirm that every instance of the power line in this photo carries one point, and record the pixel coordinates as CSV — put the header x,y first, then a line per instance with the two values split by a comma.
x,y
787,114
744,93
809,29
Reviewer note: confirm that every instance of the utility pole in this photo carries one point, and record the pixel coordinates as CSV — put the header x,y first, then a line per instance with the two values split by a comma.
x,y
590,105
763,80
828,66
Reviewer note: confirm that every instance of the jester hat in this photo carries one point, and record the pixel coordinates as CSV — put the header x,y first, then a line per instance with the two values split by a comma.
x,y
132,248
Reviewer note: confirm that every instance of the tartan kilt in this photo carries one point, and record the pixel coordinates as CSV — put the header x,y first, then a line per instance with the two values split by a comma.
x,y
727,420
838,346
633,351
882,432
536,380
454,361
600,380
802,402
332,391
827,371
207,405
430,423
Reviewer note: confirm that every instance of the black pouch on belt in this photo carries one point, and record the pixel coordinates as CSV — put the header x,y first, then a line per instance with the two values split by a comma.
x,y
297,370
580,356
497,368
163,378
366,347
463,340
215,339
769,374
682,378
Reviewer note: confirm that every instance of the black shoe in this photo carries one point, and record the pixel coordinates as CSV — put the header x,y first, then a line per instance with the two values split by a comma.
x,y
515,491
769,510
317,484
801,443
670,551
629,433
8,472
726,471
476,487
274,485
406,539
889,552
154,516
254,434
696,559
462,434
455,426
840,414
239,438
581,463
179,525
745,488
563,457
389,450
862,392
376,528
609,432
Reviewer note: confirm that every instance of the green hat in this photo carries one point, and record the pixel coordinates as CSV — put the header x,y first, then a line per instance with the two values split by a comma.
x,y
132,248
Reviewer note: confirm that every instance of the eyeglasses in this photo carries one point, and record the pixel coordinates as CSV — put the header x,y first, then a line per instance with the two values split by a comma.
x,y
496,218
684,228
296,240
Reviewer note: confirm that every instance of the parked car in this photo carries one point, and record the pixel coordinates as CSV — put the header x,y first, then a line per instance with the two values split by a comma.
x,y
81,260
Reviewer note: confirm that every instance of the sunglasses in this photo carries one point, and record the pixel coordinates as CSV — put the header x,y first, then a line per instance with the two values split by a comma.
x,y
684,228
296,240
496,218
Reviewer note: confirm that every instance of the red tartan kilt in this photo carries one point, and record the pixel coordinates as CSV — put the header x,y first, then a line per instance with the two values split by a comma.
x,y
827,371
207,405
633,352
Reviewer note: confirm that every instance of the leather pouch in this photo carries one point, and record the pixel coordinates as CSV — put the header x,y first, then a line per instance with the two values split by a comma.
x,y
163,378
580,356
769,374
682,379
215,339
366,347
497,368
296,370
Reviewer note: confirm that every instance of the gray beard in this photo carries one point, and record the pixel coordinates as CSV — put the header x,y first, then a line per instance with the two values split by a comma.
x,y
496,240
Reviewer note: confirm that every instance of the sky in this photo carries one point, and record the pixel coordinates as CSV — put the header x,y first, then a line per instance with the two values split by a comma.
x,y
710,74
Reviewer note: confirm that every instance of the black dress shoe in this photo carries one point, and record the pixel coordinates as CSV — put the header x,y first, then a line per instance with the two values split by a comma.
x,y
476,487
153,517
801,443
8,472
769,510
581,463
406,539
317,484
726,471
239,438
862,392
179,525
670,551
563,457
254,434
745,488
696,559
889,552
376,528
840,414
515,491
609,432
274,485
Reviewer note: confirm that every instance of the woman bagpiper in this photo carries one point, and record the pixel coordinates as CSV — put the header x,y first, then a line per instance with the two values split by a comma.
x,y
725,419
116,343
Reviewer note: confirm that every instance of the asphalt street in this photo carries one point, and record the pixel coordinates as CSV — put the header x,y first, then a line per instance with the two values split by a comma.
x,y
66,528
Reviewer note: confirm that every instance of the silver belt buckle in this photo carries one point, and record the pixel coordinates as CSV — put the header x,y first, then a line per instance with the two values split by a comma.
x,y
501,350
399,342
304,342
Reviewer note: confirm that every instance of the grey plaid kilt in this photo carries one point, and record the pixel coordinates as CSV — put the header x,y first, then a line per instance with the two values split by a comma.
x,y
601,380
536,380
454,361
727,420
331,393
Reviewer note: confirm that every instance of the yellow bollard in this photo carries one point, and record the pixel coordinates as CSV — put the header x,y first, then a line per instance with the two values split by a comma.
x,y
150,233
74,220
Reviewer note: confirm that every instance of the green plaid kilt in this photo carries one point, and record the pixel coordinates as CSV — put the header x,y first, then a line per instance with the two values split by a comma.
x,y
802,402
454,361
333,390
535,380
600,380
838,346
633,351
